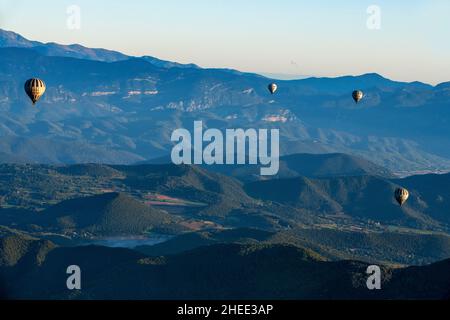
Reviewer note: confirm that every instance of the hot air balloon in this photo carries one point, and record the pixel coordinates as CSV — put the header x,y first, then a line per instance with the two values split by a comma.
x,y
358,95
273,88
34,88
401,195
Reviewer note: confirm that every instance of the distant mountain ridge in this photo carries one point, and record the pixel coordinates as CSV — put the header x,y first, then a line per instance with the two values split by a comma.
x,y
125,110
12,39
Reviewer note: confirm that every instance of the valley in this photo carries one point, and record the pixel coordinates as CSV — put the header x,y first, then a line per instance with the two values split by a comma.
x,y
129,206
187,232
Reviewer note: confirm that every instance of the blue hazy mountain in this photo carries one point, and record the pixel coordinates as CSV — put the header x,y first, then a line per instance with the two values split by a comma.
x,y
12,39
102,106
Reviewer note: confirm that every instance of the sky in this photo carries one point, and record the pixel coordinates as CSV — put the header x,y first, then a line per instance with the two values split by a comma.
x,y
405,40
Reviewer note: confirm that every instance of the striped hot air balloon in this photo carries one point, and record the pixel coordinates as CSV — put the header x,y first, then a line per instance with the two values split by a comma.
x,y
35,88
401,195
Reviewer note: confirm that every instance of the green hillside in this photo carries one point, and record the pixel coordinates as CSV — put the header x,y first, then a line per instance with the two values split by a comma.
x,y
221,193
110,214
394,248
225,271
306,165
361,197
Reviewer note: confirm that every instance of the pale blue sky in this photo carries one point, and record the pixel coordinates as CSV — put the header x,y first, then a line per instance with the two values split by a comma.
x,y
321,37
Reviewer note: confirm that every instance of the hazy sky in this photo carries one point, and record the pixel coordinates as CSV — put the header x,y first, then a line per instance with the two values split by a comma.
x,y
320,38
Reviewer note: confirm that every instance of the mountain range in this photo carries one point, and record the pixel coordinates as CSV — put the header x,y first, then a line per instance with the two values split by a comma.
x,y
12,39
340,217
105,107
85,178
300,165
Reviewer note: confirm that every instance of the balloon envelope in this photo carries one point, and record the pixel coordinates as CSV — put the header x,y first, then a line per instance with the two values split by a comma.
x,y
401,195
35,89
273,88
358,95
